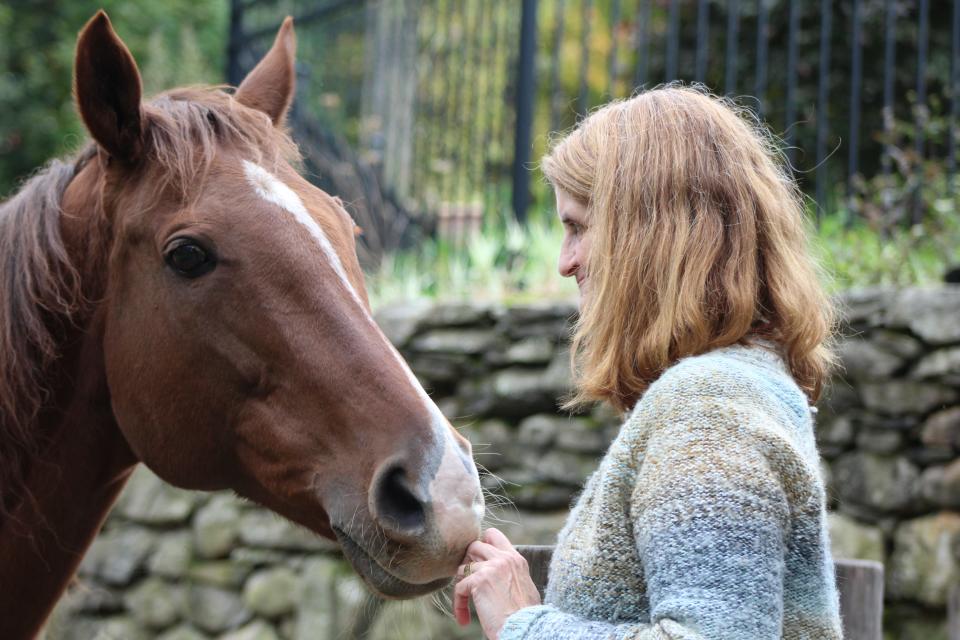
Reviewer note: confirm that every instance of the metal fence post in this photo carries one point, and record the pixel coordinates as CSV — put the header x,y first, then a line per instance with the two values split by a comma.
x,y
583,97
526,93
643,45
823,91
791,107
733,46
853,138
703,41
673,41
922,113
889,59
954,97
614,22
233,70
760,82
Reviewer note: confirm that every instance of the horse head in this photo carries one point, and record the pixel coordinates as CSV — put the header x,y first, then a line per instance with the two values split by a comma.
x,y
238,342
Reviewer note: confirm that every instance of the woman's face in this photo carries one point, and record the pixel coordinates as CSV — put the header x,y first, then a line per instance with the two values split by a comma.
x,y
576,240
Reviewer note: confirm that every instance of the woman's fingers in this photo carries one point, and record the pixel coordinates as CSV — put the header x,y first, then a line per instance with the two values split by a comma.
x,y
461,600
465,582
503,549
493,541
495,538
479,550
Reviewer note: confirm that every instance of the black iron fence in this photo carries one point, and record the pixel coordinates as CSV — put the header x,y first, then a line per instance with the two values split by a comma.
x,y
450,100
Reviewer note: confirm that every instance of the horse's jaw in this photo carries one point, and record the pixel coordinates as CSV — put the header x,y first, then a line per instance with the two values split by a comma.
x,y
380,579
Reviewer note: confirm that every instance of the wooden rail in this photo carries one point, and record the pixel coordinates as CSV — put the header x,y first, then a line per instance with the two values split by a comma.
x,y
860,583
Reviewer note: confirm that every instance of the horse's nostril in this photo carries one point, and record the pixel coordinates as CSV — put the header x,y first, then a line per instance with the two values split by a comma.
x,y
398,509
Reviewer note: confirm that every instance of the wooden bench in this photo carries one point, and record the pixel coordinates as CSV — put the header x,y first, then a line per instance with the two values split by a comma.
x,y
860,583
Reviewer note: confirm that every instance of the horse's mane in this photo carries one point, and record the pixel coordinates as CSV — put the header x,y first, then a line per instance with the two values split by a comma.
x,y
40,289
37,282
186,127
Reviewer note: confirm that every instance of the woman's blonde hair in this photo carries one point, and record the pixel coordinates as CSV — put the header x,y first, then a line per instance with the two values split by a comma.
x,y
698,241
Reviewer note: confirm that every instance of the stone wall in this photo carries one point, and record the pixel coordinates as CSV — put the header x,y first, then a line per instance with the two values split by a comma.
x,y
178,565
890,430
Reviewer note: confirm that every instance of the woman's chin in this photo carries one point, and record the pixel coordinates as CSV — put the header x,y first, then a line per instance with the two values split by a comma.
x,y
583,290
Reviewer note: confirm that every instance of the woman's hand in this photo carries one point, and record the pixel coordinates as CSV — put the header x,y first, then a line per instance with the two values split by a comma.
x,y
498,580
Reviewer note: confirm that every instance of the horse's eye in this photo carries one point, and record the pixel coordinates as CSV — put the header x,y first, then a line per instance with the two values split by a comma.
x,y
190,260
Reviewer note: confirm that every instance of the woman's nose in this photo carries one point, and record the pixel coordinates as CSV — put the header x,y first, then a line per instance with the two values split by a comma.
x,y
568,264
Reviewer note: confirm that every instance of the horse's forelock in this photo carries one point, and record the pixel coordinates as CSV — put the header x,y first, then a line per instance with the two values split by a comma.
x,y
187,127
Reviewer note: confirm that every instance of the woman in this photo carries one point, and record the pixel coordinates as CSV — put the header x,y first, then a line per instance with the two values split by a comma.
x,y
702,319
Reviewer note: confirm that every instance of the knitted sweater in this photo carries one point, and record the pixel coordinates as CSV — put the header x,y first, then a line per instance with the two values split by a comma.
x,y
706,518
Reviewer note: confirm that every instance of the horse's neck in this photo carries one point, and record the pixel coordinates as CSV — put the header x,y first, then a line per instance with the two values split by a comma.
x,y
70,486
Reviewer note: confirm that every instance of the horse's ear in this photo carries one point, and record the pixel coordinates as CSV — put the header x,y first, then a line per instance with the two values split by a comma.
x,y
106,84
269,87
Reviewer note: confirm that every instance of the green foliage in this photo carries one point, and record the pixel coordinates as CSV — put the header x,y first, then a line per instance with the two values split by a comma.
x,y
502,262
175,42
872,239
857,253
510,262
191,67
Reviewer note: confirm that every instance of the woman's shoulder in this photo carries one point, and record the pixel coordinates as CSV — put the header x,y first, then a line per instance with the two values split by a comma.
x,y
728,371
742,378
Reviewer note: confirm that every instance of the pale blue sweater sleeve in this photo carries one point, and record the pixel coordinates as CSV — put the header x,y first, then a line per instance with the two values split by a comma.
x,y
710,519
545,621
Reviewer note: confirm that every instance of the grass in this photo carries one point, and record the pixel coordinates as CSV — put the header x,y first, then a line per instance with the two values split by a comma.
x,y
509,263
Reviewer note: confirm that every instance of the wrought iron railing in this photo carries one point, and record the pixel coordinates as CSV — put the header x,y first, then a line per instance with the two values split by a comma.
x,y
452,100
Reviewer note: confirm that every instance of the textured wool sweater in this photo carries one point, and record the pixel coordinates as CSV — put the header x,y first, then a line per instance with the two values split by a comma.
x,y
705,519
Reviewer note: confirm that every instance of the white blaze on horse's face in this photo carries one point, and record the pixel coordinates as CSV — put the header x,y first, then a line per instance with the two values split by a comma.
x,y
455,474
273,190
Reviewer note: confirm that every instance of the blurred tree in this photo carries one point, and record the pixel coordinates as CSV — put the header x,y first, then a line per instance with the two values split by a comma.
x,y
175,42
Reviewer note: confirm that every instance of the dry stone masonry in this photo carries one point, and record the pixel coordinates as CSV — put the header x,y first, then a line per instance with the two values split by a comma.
x,y
178,565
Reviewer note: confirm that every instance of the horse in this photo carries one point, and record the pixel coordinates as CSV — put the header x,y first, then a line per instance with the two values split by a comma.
x,y
178,295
